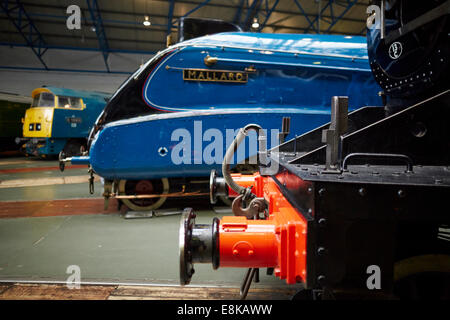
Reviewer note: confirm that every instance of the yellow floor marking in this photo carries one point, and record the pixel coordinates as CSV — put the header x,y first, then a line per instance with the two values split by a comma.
x,y
7,163
19,183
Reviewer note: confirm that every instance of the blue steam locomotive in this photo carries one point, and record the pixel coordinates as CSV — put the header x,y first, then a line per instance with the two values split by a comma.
x,y
169,124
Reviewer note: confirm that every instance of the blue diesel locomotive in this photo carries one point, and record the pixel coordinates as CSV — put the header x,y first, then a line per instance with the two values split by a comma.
x,y
176,115
60,119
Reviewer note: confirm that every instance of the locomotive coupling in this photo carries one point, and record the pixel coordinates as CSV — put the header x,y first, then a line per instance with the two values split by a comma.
x,y
62,161
72,160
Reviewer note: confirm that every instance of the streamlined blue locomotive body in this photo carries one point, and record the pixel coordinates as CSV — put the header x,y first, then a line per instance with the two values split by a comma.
x,y
176,115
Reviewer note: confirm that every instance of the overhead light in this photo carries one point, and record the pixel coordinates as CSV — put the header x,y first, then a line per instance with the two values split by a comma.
x,y
255,24
147,21
93,29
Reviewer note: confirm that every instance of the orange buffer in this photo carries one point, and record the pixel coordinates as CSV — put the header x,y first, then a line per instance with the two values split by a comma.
x,y
246,181
278,242
247,243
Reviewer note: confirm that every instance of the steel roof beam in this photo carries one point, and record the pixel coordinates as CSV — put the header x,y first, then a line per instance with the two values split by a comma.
x,y
269,13
318,17
107,23
237,16
252,11
302,11
16,13
163,31
333,19
170,17
221,5
11,44
199,5
349,5
63,70
96,18
89,38
312,15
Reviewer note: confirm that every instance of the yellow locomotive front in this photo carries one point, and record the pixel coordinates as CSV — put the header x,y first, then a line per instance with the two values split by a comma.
x,y
38,119
53,122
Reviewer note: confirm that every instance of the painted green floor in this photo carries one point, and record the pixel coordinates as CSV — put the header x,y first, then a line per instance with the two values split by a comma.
x,y
42,174
26,162
46,192
51,192
106,248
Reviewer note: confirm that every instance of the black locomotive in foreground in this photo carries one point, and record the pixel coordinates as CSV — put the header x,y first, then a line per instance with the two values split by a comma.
x,y
357,207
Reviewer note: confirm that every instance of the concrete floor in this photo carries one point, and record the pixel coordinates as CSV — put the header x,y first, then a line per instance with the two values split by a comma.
x,y
106,247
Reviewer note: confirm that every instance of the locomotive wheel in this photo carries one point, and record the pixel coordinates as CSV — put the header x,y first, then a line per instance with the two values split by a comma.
x,y
73,148
423,277
137,187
